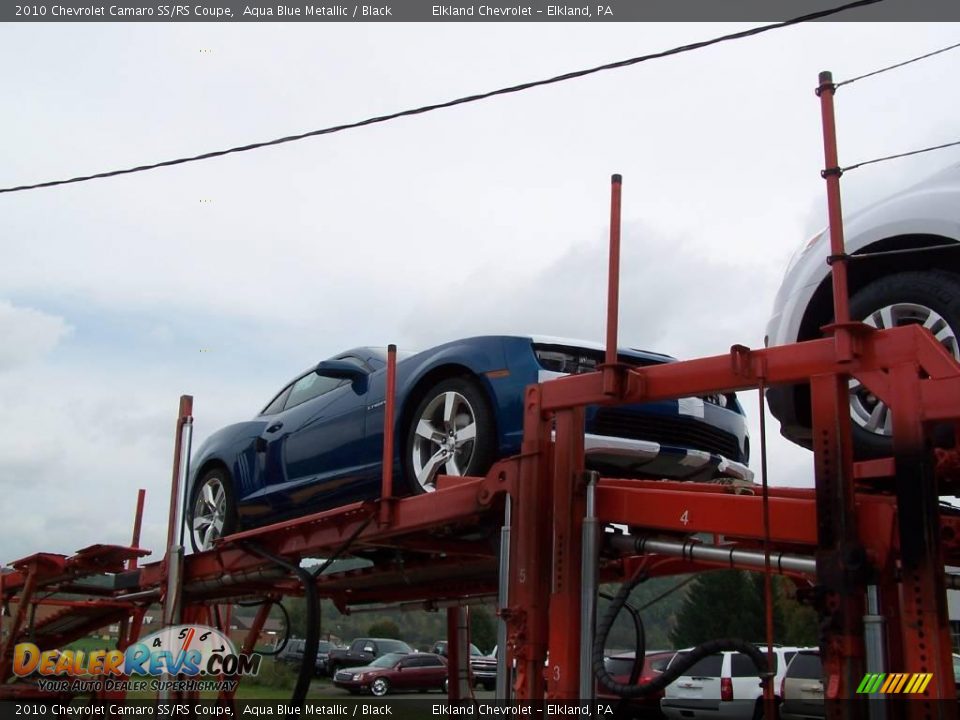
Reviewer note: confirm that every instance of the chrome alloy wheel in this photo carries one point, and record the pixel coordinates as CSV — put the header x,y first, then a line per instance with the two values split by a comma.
x,y
445,438
209,513
379,687
867,410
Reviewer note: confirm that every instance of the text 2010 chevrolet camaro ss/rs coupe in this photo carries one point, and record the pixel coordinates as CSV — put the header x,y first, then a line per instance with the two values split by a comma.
x,y
318,443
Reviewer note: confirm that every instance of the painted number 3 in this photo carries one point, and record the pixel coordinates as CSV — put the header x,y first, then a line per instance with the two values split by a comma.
x,y
685,517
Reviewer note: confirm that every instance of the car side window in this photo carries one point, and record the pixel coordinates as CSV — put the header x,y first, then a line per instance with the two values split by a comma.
x,y
276,405
742,666
308,387
431,662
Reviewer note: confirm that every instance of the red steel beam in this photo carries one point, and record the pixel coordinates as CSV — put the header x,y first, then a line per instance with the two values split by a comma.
x,y
742,369
461,502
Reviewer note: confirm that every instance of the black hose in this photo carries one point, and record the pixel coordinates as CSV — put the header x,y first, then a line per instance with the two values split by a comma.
x,y
317,572
679,664
639,655
286,624
312,640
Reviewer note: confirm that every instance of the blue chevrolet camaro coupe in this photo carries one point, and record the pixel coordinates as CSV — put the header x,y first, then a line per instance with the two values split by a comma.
x,y
318,443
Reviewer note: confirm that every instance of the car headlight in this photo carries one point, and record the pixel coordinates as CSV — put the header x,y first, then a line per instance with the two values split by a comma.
x,y
718,399
565,362
804,249
360,676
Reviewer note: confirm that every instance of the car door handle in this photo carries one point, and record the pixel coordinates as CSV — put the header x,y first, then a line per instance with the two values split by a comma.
x,y
274,427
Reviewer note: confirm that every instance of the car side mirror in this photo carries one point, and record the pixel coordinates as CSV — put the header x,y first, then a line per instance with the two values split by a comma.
x,y
341,370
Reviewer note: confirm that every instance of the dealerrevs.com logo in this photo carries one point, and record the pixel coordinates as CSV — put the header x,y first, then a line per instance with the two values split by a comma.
x,y
184,650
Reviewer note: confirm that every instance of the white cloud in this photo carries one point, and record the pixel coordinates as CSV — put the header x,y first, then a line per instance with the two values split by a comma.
x,y
28,334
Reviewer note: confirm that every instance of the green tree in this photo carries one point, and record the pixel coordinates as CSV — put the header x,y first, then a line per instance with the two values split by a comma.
x,y
800,623
384,629
483,629
725,604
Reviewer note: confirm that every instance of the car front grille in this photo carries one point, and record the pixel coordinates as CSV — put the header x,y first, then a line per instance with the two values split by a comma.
x,y
665,430
344,675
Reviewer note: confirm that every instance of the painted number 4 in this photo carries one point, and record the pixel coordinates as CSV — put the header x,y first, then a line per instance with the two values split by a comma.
x,y
685,517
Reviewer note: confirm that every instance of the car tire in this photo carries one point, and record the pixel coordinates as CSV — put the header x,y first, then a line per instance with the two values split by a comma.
x,y
931,299
489,686
451,432
212,510
379,687
445,688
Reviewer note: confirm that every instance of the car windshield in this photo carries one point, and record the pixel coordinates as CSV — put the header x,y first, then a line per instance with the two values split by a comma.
x,y
394,646
388,661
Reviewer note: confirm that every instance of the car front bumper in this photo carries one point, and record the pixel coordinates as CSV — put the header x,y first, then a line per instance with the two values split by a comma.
x,y
654,459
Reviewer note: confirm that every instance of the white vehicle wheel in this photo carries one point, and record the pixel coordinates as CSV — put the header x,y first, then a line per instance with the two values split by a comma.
x,y
928,299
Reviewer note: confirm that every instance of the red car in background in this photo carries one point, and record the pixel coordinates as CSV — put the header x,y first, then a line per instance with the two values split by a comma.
x,y
395,672
620,666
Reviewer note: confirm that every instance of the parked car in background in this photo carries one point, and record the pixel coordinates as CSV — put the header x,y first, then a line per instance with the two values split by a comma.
x,y
483,668
905,271
318,443
395,672
620,666
725,686
293,653
363,651
802,688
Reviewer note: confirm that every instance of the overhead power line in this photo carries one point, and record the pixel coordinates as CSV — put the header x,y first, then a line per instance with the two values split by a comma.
x,y
897,65
458,101
899,155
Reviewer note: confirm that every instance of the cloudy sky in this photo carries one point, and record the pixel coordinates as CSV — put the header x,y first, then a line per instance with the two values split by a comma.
x,y
222,279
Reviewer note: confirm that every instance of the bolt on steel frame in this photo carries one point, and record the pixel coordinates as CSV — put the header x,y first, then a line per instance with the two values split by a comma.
x,y
867,530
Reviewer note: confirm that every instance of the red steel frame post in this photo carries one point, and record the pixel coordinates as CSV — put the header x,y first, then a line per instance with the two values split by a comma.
x,y
26,598
841,560
458,652
386,490
130,625
527,615
569,509
613,270
249,644
831,173
923,620
173,558
184,416
137,524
